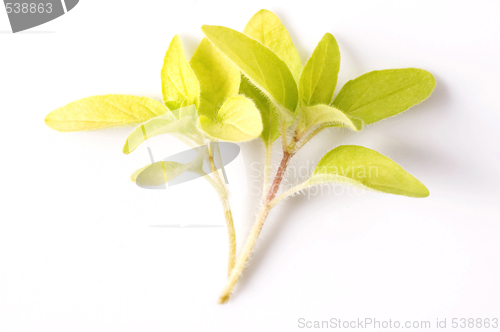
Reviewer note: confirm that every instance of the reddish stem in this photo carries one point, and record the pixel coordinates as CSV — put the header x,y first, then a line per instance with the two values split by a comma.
x,y
279,176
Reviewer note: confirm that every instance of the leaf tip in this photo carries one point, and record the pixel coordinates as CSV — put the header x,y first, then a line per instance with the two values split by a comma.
x,y
423,192
176,39
263,12
47,121
328,35
126,149
206,27
51,122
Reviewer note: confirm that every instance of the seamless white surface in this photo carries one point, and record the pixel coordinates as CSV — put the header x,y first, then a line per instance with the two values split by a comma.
x,y
77,250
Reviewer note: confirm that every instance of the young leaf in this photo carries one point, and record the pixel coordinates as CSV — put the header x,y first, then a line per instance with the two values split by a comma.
x,y
156,175
182,122
319,77
356,122
324,114
178,82
219,78
362,166
104,111
383,93
266,28
270,118
237,120
264,68
170,168
159,172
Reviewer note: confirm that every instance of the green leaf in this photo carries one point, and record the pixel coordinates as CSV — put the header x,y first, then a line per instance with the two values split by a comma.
x,y
237,120
162,172
104,111
264,68
266,28
270,118
219,78
362,166
324,114
182,122
170,168
178,81
383,93
319,77
356,122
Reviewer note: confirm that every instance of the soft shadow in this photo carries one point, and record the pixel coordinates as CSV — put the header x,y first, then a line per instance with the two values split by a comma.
x,y
274,228
429,108
406,152
26,32
304,54
350,65
424,116
253,159
190,44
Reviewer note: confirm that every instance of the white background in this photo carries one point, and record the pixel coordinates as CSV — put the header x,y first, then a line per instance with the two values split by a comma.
x,y
77,250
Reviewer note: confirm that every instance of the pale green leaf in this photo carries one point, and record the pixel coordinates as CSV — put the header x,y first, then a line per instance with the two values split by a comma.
x,y
356,122
383,93
326,115
357,165
270,118
266,28
162,172
178,82
319,77
264,68
181,122
237,120
169,169
159,172
218,76
104,111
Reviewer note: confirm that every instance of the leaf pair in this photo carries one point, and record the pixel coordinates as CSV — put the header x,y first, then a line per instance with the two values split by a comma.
x,y
317,86
260,65
218,80
266,56
223,114
267,29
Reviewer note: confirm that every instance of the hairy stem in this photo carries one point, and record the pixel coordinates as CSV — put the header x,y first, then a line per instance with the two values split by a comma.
x,y
303,139
279,176
288,193
230,233
254,234
224,198
267,168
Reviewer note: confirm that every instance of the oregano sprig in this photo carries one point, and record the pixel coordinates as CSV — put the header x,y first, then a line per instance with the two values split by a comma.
x,y
242,85
308,108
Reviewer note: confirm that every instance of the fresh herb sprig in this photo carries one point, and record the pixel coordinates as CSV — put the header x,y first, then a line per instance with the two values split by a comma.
x,y
239,86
